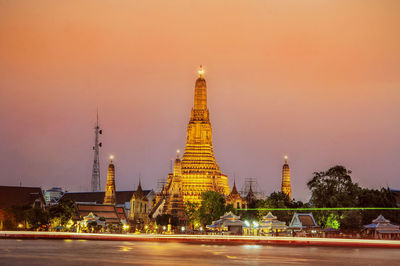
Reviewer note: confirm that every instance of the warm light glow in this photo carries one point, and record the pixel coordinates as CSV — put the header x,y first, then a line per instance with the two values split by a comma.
x,y
111,157
125,227
201,71
178,151
286,157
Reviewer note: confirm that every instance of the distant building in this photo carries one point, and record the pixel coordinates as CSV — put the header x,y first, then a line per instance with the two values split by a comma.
x,y
229,222
381,228
235,199
21,197
52,195
18,197
139,212
251,198
123,198
304,222
271,226
286,187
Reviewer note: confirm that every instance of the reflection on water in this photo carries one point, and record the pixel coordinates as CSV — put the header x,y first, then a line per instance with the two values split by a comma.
x,y
74,252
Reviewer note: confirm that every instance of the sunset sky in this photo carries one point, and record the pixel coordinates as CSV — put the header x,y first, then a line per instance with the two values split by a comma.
x,y
316,80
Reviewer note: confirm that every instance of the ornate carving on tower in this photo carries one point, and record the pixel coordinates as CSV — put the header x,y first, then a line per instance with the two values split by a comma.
x,y
286,187
109,197
174,204
200,171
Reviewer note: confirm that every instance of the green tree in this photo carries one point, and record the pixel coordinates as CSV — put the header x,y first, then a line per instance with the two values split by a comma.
x,y
212,207
36,217
331,189
278,200
377,198
63,211
192,213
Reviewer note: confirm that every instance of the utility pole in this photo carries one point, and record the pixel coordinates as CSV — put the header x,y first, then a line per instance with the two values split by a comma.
x,y
96,162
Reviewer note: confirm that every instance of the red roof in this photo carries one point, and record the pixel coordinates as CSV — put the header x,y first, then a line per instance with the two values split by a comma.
x,y
109,212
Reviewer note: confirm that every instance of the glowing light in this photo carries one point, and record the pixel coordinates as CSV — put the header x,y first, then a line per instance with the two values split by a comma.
x,y
201,71
125,227
164,227
286,157
178,151
255,224
20,225
111,157
201,228
183,228
247,223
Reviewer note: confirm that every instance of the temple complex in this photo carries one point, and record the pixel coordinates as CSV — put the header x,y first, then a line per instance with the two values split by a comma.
x,y
109,196
286,187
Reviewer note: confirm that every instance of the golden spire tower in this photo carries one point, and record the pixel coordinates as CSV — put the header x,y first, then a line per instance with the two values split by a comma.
x,y
109,197
286,187
200,171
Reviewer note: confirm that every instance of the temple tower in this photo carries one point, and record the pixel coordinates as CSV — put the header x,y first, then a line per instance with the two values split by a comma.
x,y
109,197
200,171
286,187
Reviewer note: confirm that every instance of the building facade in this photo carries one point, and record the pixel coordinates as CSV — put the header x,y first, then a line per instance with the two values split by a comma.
x,y
235,199
139,212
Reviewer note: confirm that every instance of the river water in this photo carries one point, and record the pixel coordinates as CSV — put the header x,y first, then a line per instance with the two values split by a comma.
x,y
82,252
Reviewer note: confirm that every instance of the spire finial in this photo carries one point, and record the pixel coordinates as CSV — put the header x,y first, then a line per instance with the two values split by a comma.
x,y
111,158
286,158
177,153
201,71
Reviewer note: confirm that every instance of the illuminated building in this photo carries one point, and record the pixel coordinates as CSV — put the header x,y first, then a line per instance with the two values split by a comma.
x,y
109,197
174,204
286,188
235,199
200,171
139,212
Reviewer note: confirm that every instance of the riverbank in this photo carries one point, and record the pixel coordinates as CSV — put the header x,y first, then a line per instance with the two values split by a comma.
x,y
206,239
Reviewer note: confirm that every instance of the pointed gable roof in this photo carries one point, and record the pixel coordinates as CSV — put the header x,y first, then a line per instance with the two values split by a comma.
x,y
303,221
269,216
234,190
381,220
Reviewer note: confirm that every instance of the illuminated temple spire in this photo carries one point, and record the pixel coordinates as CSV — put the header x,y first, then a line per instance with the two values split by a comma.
x,y
200,171
109,197
286,187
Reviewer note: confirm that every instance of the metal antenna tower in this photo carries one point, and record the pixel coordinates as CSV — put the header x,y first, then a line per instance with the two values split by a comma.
x,y
96,162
